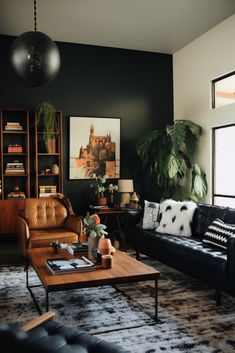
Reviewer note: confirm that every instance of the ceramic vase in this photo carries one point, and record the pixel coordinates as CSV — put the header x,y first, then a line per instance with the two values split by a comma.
x,y
101,201
104,246
55,169
92,244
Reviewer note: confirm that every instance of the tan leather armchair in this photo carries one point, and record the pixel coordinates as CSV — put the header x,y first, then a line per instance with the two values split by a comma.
x,y
46,219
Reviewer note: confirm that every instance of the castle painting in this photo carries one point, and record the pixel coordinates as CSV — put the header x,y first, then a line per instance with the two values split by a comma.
x,y
94,147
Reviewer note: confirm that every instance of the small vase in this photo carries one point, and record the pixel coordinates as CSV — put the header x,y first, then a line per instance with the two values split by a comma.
x,y
104,246
92,244
55,169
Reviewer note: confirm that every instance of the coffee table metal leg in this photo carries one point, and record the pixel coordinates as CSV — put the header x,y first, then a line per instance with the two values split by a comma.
x,y
156,299
47,301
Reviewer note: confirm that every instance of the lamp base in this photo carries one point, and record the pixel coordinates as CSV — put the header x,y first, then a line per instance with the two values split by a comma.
x,y
124,199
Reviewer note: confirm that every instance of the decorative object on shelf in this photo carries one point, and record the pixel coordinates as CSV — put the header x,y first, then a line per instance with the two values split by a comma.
x,y
14,148
55,169
125,187
16,194
168,156
94,147
34,57
56,245
134,201
94,230
46,122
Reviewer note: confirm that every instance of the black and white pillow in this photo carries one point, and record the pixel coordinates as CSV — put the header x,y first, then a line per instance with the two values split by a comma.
x,y
176,217
218,233
151,215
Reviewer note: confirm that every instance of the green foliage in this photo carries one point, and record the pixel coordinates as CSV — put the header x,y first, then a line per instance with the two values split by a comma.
x,y
168,156
46,120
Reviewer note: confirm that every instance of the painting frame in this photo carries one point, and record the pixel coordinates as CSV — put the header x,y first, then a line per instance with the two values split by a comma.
x,y
94,147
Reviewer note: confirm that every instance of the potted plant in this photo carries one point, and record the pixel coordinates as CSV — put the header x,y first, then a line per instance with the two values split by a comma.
x,y
168,156
46,122
95,230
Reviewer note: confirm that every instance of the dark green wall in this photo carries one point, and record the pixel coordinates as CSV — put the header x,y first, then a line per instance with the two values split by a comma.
x,y
98,81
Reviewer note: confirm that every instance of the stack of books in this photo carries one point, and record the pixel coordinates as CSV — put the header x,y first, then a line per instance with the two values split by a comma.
x,y
14,168
47,190
63,265
77,249
14,149
13,126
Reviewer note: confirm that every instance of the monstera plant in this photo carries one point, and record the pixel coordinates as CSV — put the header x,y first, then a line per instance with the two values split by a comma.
x,y
168,155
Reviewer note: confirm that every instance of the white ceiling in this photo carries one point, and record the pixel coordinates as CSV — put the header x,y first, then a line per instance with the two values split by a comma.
x,y
163,26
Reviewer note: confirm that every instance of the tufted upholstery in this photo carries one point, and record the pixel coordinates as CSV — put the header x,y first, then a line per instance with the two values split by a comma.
x,y
189,254
46,219
52,337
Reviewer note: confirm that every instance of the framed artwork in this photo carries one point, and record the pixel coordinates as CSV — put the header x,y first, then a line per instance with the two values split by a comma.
x,y
94,147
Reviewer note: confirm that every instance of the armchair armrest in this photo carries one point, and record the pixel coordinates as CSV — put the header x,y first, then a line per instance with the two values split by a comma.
x,y
74,223
38,321
22,234
231,262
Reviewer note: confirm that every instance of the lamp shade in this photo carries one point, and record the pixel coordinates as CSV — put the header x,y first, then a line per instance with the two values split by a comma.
x,y
35,58
125,185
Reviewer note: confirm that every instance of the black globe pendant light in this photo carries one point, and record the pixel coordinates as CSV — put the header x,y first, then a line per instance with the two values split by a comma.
x,y
34,57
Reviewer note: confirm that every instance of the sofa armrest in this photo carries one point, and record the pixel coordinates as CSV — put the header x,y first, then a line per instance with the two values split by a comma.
x,y
231,262
38,321
22,234
74,224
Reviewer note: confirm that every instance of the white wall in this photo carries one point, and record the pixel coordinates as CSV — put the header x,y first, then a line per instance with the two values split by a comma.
x,y
209,56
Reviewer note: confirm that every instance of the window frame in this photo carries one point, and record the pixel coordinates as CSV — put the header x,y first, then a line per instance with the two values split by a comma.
x,y
214,195
213,82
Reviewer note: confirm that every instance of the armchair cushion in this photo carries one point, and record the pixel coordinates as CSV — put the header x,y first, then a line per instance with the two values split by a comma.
x,y
40,238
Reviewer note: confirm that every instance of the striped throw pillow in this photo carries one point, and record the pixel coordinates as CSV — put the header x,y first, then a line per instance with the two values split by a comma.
x,y
218,233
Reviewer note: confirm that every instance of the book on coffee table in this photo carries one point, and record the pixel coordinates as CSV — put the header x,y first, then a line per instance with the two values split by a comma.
x,y
63,265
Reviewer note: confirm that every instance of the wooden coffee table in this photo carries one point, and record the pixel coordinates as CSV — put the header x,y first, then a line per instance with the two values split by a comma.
x,y
125,269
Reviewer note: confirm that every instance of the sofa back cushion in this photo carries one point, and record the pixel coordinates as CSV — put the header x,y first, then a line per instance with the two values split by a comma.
x,y
44,213
230,216
204,216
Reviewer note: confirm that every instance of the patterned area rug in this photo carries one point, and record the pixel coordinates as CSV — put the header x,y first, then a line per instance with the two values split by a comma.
x,y
189,320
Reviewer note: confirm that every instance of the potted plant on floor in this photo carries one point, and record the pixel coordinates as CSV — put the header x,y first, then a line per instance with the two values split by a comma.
x,y
46,122
168,155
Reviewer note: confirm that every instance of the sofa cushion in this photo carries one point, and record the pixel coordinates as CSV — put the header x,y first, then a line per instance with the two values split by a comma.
x,y
176,217
218,233
151,215
204,216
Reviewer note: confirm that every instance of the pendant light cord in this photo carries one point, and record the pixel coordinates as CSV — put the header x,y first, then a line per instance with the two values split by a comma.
x,y
35,15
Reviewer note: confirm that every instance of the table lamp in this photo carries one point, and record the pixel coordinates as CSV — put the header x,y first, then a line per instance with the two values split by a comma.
x,y
125,187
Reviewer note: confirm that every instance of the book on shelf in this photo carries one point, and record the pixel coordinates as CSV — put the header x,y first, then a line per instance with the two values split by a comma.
x,y
63,265
13,127
9,123
14,148
47,189
15,171
77,248
46,194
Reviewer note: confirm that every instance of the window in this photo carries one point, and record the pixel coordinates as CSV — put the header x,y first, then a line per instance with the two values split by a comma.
x,y
223,90
224,165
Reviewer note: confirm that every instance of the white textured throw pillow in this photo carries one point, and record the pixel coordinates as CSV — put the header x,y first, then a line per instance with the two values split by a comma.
x,y
176,217
151,212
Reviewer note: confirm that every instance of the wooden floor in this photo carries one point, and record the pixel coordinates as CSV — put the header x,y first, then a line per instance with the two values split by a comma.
x,y
9,251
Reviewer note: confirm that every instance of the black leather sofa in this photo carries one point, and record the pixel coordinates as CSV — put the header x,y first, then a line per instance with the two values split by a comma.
x,y
189,254
52,337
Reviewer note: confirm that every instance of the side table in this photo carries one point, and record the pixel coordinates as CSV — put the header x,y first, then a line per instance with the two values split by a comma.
x,y
118,220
